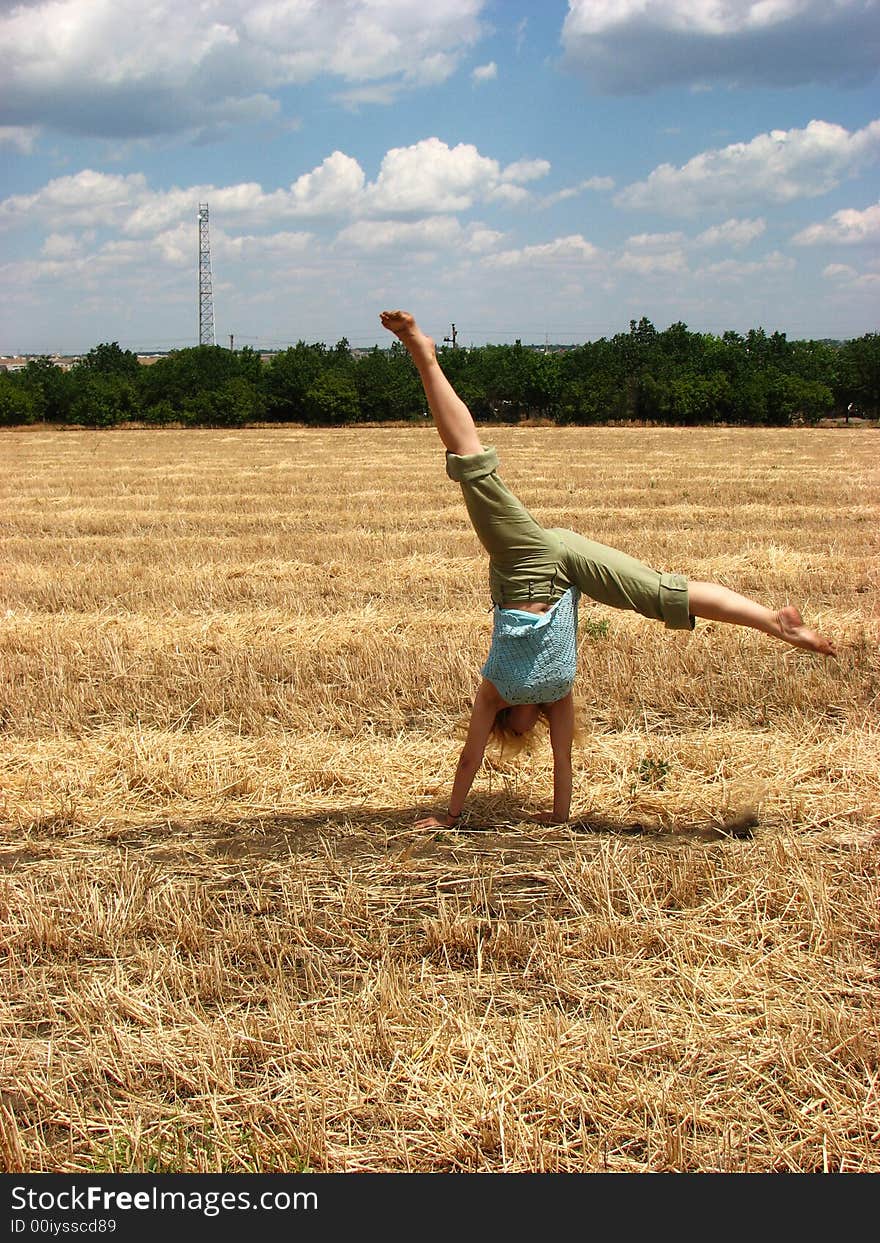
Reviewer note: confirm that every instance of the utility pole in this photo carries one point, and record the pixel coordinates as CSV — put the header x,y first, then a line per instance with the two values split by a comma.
x,y
232,343
451,340
206,293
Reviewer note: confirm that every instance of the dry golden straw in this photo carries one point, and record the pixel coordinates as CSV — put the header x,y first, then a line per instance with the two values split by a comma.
x,y
235,668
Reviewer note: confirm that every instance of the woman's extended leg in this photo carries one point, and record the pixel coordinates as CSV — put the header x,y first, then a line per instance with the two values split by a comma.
x,y
613,577
716,603
453,419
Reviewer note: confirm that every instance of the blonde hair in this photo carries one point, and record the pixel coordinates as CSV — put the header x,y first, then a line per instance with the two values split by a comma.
x,y
510,742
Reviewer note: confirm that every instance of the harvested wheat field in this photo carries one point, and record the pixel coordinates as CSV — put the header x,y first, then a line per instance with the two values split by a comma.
x,y
236,667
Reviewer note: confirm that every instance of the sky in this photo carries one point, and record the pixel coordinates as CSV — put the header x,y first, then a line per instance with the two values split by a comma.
x,y
547,171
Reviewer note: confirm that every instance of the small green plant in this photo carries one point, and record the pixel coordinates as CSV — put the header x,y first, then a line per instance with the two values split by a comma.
x,y
187,1150
652,772
118,1156
596,628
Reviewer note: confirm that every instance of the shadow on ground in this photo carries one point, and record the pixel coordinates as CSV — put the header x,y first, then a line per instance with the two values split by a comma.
x,y
348,833
357,835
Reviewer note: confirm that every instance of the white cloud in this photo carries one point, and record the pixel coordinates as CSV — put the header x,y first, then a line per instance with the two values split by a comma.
x,y
597,183
654,241
375,235
480,238
435,233
120,68
172,246
156,210
75,259
656,254
525,170
736,269
570,192
735,233
847,277
848,227
19,137
653,263
381,94
776,167
431,176
432,70
427,178
283,245
508,194
520,34
484,73
563,251
634,46
331,188
839,271
87,198
61,246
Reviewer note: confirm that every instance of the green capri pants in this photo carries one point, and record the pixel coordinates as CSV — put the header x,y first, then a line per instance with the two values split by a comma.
x,y
531,562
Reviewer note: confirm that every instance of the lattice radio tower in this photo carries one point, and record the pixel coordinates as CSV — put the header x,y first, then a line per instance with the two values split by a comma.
x,y
206,293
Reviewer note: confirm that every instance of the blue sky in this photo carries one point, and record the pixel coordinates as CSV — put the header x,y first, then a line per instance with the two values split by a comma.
x,y
533,170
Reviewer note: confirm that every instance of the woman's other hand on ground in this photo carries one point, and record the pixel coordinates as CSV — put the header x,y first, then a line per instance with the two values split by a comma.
x,y
437,822
547,817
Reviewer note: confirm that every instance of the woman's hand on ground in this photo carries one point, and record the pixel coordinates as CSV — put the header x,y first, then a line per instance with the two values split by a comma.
x,y
436,822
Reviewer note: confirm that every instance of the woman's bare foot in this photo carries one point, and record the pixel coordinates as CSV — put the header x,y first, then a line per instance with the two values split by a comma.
x,y
405,328
792,630
718,603
401,323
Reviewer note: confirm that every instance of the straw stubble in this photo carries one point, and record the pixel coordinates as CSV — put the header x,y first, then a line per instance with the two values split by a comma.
x,y
235,668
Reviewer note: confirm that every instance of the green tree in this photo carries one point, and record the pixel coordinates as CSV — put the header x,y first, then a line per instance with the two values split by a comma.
x,y
583,401
805,399
288,378
692,399
18,405
593,383
249,365
470,373
332,400
104,399
526,381
233,404
764,351
542,386
814,360
680,349
340,357
388,385
859,375
110,359
52,388
183,374
162,414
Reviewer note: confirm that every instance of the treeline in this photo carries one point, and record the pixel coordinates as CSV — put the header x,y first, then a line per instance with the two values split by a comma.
x,y
674,377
